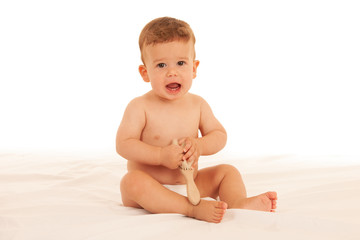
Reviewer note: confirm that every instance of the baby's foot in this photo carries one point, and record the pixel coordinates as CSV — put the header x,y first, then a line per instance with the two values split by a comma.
x,y
210,211
263,202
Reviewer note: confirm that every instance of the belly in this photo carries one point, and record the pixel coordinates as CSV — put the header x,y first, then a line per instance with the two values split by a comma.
x,y
162,174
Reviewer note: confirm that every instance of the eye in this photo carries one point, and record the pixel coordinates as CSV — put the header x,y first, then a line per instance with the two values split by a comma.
x,y
161,65
181,63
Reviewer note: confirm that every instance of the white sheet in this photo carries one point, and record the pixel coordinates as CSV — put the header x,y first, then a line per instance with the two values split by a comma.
x,y
74,197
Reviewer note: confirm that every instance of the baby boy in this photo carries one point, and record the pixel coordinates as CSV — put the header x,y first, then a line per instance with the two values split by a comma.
x,y
168,111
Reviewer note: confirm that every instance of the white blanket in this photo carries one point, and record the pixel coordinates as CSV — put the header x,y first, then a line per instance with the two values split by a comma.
x,y
72,197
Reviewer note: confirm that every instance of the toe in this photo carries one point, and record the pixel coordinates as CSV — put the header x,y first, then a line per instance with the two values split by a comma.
x,y
217,219
274,202
219,215
272,195
222,205
219,211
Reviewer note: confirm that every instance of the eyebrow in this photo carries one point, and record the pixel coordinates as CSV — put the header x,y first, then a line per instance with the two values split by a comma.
x,y
163,59
158,60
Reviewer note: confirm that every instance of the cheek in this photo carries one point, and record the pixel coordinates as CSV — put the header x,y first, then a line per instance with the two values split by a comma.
x,y
191,73
153,75
186,70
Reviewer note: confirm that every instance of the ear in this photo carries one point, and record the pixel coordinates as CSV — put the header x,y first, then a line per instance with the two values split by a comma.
x,y
143,73
195,66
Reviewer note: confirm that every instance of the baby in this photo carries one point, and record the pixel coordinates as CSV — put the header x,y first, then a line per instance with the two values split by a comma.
x,y
168,111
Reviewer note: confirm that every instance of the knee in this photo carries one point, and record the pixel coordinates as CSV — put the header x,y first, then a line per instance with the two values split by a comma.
x,y
226,169
133,182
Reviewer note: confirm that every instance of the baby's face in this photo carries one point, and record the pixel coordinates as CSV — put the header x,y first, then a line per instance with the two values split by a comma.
x,y
170,68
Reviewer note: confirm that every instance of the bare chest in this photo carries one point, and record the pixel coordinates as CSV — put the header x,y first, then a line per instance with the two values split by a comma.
x,y
164,124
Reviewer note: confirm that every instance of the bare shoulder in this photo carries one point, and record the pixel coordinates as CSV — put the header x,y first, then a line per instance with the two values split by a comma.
x,y
137,106
137,102
201,102
133,120
196,99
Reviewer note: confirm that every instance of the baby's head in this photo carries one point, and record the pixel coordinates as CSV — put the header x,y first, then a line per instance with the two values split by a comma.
x,y
164,30
168,55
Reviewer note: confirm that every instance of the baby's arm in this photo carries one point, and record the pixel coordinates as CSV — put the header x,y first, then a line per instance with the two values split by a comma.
x,y
130,147
213,135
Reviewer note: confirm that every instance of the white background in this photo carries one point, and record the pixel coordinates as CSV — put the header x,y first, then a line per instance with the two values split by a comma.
x,y
282,76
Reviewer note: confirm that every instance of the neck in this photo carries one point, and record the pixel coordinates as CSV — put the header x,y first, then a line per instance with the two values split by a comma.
x,y
165,100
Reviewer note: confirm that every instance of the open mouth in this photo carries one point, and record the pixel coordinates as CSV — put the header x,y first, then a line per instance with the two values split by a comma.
x,y
173,87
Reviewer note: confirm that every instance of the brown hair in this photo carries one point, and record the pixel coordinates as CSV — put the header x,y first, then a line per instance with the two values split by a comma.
x,y
165,29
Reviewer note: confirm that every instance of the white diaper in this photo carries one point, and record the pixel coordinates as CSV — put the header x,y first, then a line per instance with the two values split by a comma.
x,y
180,189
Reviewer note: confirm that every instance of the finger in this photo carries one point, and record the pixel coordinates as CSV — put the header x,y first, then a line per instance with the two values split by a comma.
x,y
182,142
196,160
187,144
188,154
192,160
176,148
179,164
180,151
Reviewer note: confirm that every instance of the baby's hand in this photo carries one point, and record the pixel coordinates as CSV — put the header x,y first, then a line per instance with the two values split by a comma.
x,y
191,149
171,156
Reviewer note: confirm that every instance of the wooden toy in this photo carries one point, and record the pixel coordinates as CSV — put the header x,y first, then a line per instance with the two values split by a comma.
x,y
188,172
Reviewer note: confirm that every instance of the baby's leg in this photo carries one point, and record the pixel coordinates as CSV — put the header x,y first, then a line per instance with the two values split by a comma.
x,y
226,182
138,189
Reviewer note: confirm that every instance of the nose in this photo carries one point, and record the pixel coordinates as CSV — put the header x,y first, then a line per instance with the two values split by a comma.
x,y
171,72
